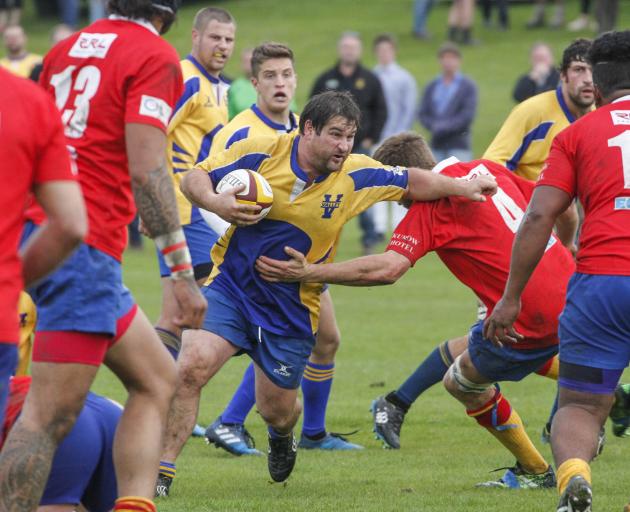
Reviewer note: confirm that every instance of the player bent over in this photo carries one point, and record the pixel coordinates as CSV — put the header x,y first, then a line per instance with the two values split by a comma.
x,y
589,160
474,242
318,186
116,83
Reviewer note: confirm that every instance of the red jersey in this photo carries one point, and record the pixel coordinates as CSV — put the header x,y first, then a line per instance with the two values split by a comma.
x,y
18,388
30,154
113,72
474,240
591,160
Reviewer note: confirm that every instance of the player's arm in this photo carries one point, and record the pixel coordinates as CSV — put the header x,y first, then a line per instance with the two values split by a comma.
x,y
377,269
532,237
567,226
155,199
63,231
429,186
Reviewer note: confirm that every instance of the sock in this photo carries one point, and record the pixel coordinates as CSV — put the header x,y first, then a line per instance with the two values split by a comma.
x,y
452,34
570,468
393,398
167,469
243,400
316,385
550,369
430,372
171,341
274,434
134,504
504,423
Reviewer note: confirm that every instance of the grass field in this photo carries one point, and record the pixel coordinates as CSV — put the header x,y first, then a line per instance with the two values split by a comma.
x,y
387,331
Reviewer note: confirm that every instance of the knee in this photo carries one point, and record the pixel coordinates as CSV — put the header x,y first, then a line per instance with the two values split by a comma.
x,y
280,416
326,346
449,382
55,419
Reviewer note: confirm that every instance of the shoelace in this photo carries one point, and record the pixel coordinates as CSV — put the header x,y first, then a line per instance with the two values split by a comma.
x,y
251,442
341,435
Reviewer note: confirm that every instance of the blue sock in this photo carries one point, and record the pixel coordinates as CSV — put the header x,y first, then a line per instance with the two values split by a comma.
x,y
274,434
167,469
316,385
243,400
554,410
430,372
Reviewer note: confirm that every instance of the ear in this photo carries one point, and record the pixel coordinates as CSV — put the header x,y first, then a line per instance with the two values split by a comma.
x,y
308,127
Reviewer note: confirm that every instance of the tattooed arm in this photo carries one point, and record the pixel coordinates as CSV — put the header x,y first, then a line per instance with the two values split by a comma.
x,y
155,199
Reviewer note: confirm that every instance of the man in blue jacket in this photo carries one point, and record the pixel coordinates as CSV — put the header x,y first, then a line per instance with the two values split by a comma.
x,y
448,107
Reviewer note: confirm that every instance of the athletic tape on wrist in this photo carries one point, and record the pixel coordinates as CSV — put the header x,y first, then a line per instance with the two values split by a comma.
x,y
175,251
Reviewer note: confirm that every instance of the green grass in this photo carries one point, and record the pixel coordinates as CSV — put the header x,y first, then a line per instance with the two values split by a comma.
x,y
387,331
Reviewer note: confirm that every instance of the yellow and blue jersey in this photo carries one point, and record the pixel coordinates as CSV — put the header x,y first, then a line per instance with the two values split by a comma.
x,y
251,122
197,117
306,216
523,142
21,67
28,319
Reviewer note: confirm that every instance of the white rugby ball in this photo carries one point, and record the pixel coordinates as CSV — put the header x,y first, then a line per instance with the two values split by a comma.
x,y
257,189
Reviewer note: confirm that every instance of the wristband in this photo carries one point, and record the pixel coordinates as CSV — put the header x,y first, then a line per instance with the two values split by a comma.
x,y
175,251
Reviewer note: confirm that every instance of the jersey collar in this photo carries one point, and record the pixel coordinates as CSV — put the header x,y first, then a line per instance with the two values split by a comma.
x,y
139,21
451,160
202,70
563,105
295,167
273,124
623,98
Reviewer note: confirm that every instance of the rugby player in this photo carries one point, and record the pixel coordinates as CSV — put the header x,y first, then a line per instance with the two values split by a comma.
x,y
116,83
318,186
589,161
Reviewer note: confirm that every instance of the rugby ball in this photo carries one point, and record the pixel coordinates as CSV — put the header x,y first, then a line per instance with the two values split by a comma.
x,y
257,189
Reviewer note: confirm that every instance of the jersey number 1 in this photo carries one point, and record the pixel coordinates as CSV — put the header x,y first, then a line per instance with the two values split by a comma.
x,y
622,141
84,86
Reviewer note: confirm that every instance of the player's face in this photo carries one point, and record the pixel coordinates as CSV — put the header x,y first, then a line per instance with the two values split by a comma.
x,y
213,47
349,50
578,82
275,84
330,149
385,53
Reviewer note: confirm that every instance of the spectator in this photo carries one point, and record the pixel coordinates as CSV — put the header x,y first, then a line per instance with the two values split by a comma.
x,y
460,21
18,60
69,12
97,10
401,94
10,12
421,10
543,76
59,33
448,107
502,7
583,21
349,75
606,12
538,15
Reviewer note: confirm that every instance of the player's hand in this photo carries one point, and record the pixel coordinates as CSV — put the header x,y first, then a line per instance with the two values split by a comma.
x,y
192,304
274,271
477,189
499,326
228,208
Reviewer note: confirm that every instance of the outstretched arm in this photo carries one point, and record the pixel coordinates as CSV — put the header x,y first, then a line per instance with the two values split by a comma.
x,y
378,269
429,186
529,246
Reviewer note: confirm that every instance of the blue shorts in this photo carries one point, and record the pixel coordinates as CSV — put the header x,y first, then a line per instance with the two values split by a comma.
x,y
83,468
8,363
504,363
594,333
281,358
82,295
200,239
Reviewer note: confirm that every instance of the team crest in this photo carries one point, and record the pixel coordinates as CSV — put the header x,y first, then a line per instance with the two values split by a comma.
x,y
329,205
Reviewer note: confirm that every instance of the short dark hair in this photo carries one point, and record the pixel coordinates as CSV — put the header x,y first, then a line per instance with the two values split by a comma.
x,y
449,47
385,38
322,107
406,149
268,51
610,57
207,14
146,9
576,51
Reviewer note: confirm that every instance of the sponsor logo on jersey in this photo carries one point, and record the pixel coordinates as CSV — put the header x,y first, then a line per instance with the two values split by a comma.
x,y
283,370
622,203
620,116
92,45
329,206
155,107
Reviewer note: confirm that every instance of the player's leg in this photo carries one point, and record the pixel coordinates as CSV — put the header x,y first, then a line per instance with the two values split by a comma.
x,y
203,354
594,349
317,383
389,411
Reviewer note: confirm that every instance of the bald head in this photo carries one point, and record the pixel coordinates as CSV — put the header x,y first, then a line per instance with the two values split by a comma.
x,y
349,48
14,40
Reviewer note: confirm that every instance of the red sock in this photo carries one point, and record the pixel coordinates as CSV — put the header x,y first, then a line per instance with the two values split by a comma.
x,y
134,504
494,413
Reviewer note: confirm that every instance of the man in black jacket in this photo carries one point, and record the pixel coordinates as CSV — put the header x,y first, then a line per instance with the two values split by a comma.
x,y
349,75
